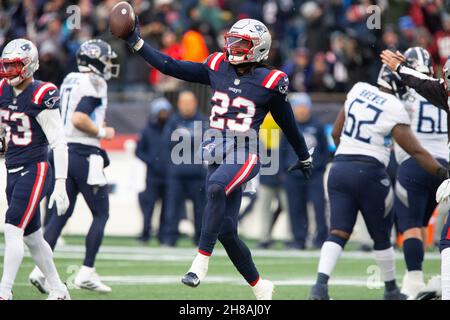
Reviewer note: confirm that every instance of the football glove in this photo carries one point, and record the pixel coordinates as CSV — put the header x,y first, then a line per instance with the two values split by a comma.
x,y
135,36
59,197
304,165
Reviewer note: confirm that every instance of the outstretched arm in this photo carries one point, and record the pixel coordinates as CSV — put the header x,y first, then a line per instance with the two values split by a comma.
x,y
184,70
430,88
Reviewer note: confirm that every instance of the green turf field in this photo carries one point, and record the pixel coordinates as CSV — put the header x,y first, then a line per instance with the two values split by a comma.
x,y
150,272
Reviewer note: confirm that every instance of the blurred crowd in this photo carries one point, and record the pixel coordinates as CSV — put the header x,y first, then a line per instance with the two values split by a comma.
x,y
322,45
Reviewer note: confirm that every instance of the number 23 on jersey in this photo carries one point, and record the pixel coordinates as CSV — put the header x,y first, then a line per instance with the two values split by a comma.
x,y
220,113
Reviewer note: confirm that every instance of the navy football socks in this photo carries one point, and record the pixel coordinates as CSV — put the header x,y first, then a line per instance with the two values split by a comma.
x,y
414,253
240,255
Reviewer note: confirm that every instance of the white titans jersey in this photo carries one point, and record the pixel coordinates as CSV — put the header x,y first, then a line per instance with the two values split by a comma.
x,y
429,124
75,86
370,115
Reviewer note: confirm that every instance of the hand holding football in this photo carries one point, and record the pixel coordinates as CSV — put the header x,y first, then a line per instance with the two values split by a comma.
x,y
122,19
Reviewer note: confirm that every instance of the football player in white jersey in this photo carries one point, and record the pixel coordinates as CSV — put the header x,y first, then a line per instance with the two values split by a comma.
x,y
358,180
83,107
415,188
437,91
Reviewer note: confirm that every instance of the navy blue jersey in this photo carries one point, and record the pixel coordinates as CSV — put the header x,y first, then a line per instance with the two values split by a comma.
x,y
239,102
26,140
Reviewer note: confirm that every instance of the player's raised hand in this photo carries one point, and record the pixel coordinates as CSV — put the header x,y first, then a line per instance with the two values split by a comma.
x,y
59,197
392,59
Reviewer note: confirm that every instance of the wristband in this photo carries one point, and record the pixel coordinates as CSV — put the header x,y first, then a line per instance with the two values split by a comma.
x,y
101,133
138,44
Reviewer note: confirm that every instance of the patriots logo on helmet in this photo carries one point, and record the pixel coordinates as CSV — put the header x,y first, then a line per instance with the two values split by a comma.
x,y
260,29
25,47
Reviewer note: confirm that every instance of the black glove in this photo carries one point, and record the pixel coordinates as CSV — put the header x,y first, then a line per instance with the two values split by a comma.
x,y
133,38
304,165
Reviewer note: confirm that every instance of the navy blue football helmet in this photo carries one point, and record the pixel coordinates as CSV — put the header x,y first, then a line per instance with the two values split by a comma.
x,y
419,59
96,56
391,80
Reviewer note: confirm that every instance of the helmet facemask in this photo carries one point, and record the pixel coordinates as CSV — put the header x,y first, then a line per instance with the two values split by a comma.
x,y
14,70
111,69
391,81
239,48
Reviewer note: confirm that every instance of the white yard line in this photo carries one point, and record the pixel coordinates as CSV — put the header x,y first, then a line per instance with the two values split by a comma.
x,y
187,254
231,280
235,280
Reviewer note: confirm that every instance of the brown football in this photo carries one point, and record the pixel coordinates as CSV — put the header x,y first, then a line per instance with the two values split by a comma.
x,y
121,19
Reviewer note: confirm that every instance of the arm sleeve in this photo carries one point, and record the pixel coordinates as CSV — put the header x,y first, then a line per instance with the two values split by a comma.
x,y
88,104
431,89
184,70
281,111
51,123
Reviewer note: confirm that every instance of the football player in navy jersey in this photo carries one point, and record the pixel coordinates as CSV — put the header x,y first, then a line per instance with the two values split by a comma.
x,y
244,91
29,111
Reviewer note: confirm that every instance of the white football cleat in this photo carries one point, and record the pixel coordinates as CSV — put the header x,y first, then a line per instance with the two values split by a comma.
x,y
88,279
432,291
59,294
412,284
263,290
37,279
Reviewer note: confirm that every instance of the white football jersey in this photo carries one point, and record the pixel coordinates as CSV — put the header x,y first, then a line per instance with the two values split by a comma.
x,y
370,115
429,124
75,86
